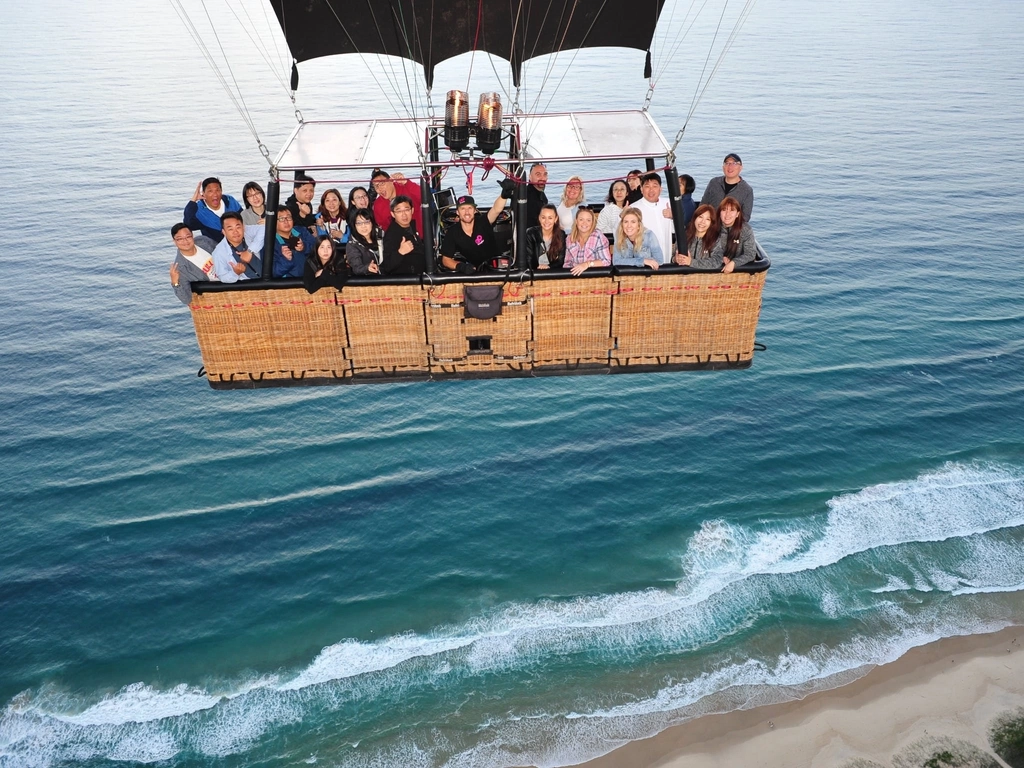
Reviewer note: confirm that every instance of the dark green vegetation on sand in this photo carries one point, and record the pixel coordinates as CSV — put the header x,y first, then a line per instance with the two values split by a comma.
x,y
1007,737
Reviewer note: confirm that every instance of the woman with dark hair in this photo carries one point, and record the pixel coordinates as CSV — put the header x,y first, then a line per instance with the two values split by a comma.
x,y
358,198
255,201
615,204
586,247
545,243
687,185
633,182
325,266
332,217
738,244
703,247
364,246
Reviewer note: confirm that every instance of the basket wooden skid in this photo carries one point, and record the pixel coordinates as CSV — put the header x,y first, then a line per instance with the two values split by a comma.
x,y
599,324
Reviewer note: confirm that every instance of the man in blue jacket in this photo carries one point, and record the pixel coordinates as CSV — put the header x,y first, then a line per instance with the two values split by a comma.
x,y
208,204
291,245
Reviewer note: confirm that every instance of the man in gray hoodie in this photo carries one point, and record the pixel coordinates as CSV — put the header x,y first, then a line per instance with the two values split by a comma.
x,y
193,262
730,185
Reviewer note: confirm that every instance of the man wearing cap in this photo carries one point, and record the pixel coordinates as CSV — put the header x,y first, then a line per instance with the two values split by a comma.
x,y
730,185
469,244
388,187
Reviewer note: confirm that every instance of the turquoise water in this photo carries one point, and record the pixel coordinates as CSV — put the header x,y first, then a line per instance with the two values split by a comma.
x,y
505,573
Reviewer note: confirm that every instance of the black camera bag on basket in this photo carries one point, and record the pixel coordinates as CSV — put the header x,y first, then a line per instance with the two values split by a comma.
x,y
483,301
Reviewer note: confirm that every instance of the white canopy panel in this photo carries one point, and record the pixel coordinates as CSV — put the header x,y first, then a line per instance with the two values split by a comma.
x,y
396,143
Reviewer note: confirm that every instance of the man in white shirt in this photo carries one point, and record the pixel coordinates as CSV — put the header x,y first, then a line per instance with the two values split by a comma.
x,y
237,256
656,212
192,263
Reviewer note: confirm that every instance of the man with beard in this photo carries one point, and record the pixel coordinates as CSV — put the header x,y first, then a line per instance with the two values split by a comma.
x,y
469,244
535,196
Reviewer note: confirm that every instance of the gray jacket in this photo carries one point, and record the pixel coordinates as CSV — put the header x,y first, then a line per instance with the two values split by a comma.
x,y
702,259
746,247
743,193
189,273
359,257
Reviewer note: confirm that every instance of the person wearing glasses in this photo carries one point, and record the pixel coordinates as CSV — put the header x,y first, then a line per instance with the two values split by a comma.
x,y
730,184
291,245
192,263
389,187
403,247
572,198
358,200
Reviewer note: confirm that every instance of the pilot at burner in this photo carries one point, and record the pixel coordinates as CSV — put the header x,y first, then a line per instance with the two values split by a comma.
x,y
469,244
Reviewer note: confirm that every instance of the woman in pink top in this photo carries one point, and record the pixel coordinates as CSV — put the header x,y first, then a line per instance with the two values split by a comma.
x,y
586,247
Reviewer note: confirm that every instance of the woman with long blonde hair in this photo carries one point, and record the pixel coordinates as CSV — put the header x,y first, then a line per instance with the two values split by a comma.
x,y
585,247
572,198
634,246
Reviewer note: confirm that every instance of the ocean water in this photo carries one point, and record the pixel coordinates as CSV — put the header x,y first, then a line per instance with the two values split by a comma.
x,y
504,573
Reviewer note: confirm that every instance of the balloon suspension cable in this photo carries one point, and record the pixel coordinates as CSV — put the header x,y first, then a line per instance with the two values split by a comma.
x,y
671,156
235,93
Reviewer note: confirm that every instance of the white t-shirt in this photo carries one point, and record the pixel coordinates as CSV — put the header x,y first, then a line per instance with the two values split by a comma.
x,y
566,216
656,223
204,261
608,221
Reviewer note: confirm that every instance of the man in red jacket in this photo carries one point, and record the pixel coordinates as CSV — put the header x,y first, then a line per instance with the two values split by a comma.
x,y
388,187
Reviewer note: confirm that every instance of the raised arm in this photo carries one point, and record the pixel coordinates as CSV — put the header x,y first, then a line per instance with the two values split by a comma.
x,y
496,208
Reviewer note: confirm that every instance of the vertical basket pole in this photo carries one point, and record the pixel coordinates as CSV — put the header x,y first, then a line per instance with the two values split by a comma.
x,y
270,226
675,197
428,222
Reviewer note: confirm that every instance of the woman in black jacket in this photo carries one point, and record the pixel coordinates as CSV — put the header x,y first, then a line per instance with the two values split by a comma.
x,y
325,266
363,249
545,243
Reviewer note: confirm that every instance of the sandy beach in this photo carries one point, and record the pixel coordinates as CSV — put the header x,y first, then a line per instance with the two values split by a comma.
x,y
951,689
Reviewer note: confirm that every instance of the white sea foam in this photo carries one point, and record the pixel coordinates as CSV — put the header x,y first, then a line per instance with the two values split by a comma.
x,y
730,574
140,703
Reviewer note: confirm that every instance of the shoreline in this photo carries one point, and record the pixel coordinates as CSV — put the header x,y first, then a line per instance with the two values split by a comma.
x,y
953,687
